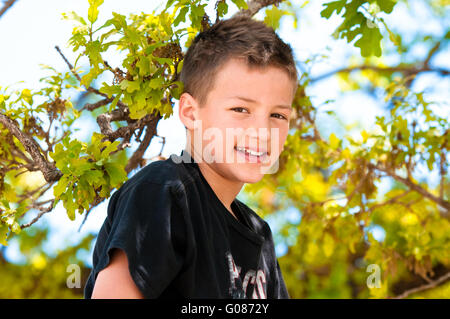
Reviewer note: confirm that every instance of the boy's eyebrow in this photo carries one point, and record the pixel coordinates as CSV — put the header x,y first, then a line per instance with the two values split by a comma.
x,y
283,106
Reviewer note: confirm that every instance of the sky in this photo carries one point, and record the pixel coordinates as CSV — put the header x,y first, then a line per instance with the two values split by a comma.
x,y
26,45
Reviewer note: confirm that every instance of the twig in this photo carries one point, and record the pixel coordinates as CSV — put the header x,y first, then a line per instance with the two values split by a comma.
x,y
43,211
442,165
68,63
431,53
96,105
97,200
389,201
405,70
430,285
7,4
136,158
90,89
163,143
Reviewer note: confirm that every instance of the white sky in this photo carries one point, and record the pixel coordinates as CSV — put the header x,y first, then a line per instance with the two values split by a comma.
x,y
30,30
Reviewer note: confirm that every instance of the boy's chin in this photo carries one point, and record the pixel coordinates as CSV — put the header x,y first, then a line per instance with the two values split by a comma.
x,y
249,177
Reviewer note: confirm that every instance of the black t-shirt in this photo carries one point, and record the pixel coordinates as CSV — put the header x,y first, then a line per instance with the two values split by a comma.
x,y
182,242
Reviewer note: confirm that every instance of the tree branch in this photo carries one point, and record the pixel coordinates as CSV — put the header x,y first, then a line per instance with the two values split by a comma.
x,y
43,211
96,105
50,172
405,70
432,52
254,6
408,182
389,201
136,158
7,4
430,285
89,89
104,122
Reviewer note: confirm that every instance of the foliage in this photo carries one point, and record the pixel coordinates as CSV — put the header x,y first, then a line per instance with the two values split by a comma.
x,y
43,275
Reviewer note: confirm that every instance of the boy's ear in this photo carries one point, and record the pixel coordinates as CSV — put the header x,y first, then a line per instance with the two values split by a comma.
x,y
187,106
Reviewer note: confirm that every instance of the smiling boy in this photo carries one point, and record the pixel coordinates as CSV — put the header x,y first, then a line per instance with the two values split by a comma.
x,y
176,229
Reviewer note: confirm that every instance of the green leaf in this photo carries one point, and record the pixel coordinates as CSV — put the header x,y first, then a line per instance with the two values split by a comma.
x,y
73,16
273,16
163,60
197,13
334,141
180,66
331,7
369,41
156,83
110,89
70,205
15,228
241,4
116,173
87,79
140,99
3,234
26,95
328,245
107,24
386,5
136,114
181,16
110,148
94,147
168,4
177,91
133,36
93,10
61,186
222,8
93,176
144,66
130,86
80,166
114,102
93,50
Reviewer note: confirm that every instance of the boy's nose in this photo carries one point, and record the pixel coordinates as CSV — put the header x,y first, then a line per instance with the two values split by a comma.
x,y
257,138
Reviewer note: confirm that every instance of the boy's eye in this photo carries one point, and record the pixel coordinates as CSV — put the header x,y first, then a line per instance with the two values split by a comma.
x,y
239,108
282,117
277,115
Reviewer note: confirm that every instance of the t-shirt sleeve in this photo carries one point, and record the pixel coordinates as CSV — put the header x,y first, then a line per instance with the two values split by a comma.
x,y
148,223
280,288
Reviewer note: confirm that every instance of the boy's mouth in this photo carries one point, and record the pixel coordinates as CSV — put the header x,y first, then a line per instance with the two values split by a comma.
x,y
249,153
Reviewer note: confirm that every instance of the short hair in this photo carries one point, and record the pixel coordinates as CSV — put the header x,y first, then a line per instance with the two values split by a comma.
x,y
239,37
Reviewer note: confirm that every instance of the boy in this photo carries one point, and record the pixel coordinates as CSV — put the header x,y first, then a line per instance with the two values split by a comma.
x,y
175,229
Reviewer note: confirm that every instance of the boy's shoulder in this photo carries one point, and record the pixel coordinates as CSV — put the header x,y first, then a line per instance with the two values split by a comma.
x,y
162,173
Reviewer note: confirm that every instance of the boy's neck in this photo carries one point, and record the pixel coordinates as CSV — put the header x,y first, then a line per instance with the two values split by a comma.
x,y
224,189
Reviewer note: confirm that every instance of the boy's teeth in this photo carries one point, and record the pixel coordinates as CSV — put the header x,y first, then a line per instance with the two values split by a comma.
x,y
249,151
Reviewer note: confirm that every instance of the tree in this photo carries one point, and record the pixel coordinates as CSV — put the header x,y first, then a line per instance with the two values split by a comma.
x,y
331,181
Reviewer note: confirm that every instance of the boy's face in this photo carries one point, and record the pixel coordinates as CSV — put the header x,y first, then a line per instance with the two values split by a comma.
x,y
246,109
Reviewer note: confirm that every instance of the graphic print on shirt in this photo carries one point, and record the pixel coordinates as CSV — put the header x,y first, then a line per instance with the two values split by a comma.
x,y
256,279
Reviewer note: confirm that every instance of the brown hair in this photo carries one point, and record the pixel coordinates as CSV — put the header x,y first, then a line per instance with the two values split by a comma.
x,y
238,37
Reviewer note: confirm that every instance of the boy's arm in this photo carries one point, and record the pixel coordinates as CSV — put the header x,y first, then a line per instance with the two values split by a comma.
x,y
114,281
